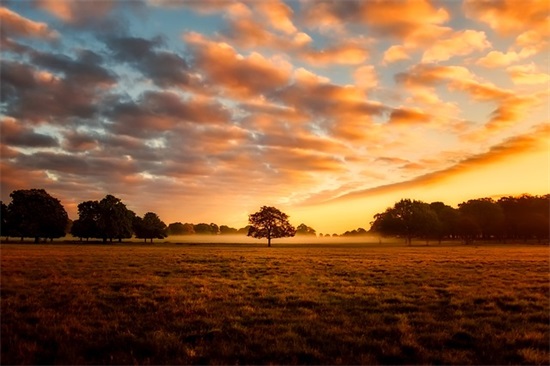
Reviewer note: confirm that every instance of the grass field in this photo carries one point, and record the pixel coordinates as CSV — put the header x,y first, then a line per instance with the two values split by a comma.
x,y
289,304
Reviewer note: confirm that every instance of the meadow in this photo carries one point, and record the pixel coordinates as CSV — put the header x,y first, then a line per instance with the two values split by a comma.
x,y
289,304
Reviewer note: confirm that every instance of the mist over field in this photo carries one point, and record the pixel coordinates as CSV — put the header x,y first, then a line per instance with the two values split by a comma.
x,y
243,239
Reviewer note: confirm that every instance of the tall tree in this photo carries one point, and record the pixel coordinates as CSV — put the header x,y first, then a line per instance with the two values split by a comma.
x,y
270,223
486,214
149,227
115,220
448,218
34,213
4,222
87,224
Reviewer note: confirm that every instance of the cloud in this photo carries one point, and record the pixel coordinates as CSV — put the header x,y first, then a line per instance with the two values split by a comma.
x,y
16,134
395,53
347,53
495,59
14,25
158,112
533,141
398,19
77,12
365,77
277,14
460,43
164,68
527,75
340,111
408,116
509,17
234,74
64,88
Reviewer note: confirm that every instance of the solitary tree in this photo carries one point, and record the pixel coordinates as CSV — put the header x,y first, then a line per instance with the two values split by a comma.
x,y
34,213
150,227
270,223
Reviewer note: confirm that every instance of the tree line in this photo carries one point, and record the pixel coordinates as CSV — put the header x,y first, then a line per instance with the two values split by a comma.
x,y
519,218
35,214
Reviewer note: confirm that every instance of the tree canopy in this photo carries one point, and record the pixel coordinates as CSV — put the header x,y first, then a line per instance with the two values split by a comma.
x,y
270,223
149,227
34,213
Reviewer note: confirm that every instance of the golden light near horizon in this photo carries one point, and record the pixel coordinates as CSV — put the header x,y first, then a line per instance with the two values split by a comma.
x,y
205,111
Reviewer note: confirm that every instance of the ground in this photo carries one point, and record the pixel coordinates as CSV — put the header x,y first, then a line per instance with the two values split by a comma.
x,y
289,304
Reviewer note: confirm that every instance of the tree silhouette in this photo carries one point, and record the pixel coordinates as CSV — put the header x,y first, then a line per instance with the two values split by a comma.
x,y
177,228
86,226
408,219
115,220
486,214
34,213
303,229
149,227
270,223
4,222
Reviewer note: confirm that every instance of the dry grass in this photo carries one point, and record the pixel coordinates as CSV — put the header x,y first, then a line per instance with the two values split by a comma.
x,y
216,304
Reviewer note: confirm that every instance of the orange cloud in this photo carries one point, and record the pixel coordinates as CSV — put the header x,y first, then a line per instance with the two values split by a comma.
x,y
395,53
531,142
458,44
400,19
278,15
13,24
510,17
408,116
344,54
527,75
365,77
72,11
235,74
496,59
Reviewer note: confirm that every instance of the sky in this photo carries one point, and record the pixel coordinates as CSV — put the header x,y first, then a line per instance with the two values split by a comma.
x,y
204,111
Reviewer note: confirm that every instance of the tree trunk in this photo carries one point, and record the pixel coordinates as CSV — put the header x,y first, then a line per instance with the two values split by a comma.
x,y
269,241
36,239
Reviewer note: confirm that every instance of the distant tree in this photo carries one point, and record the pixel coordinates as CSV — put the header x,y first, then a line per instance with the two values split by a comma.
x,y
303,229
486,214
34,213
226,230
203,229
214,229
175,228
448,219
468,229
357,232
86,226
4,221
270,223
526,217
244,230
149,227
408,219
115,220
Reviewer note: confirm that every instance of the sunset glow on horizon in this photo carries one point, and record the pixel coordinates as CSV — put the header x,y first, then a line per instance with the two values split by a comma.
x,y
203,111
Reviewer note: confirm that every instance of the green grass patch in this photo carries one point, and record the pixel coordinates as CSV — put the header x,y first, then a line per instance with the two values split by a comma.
x,y
222,304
